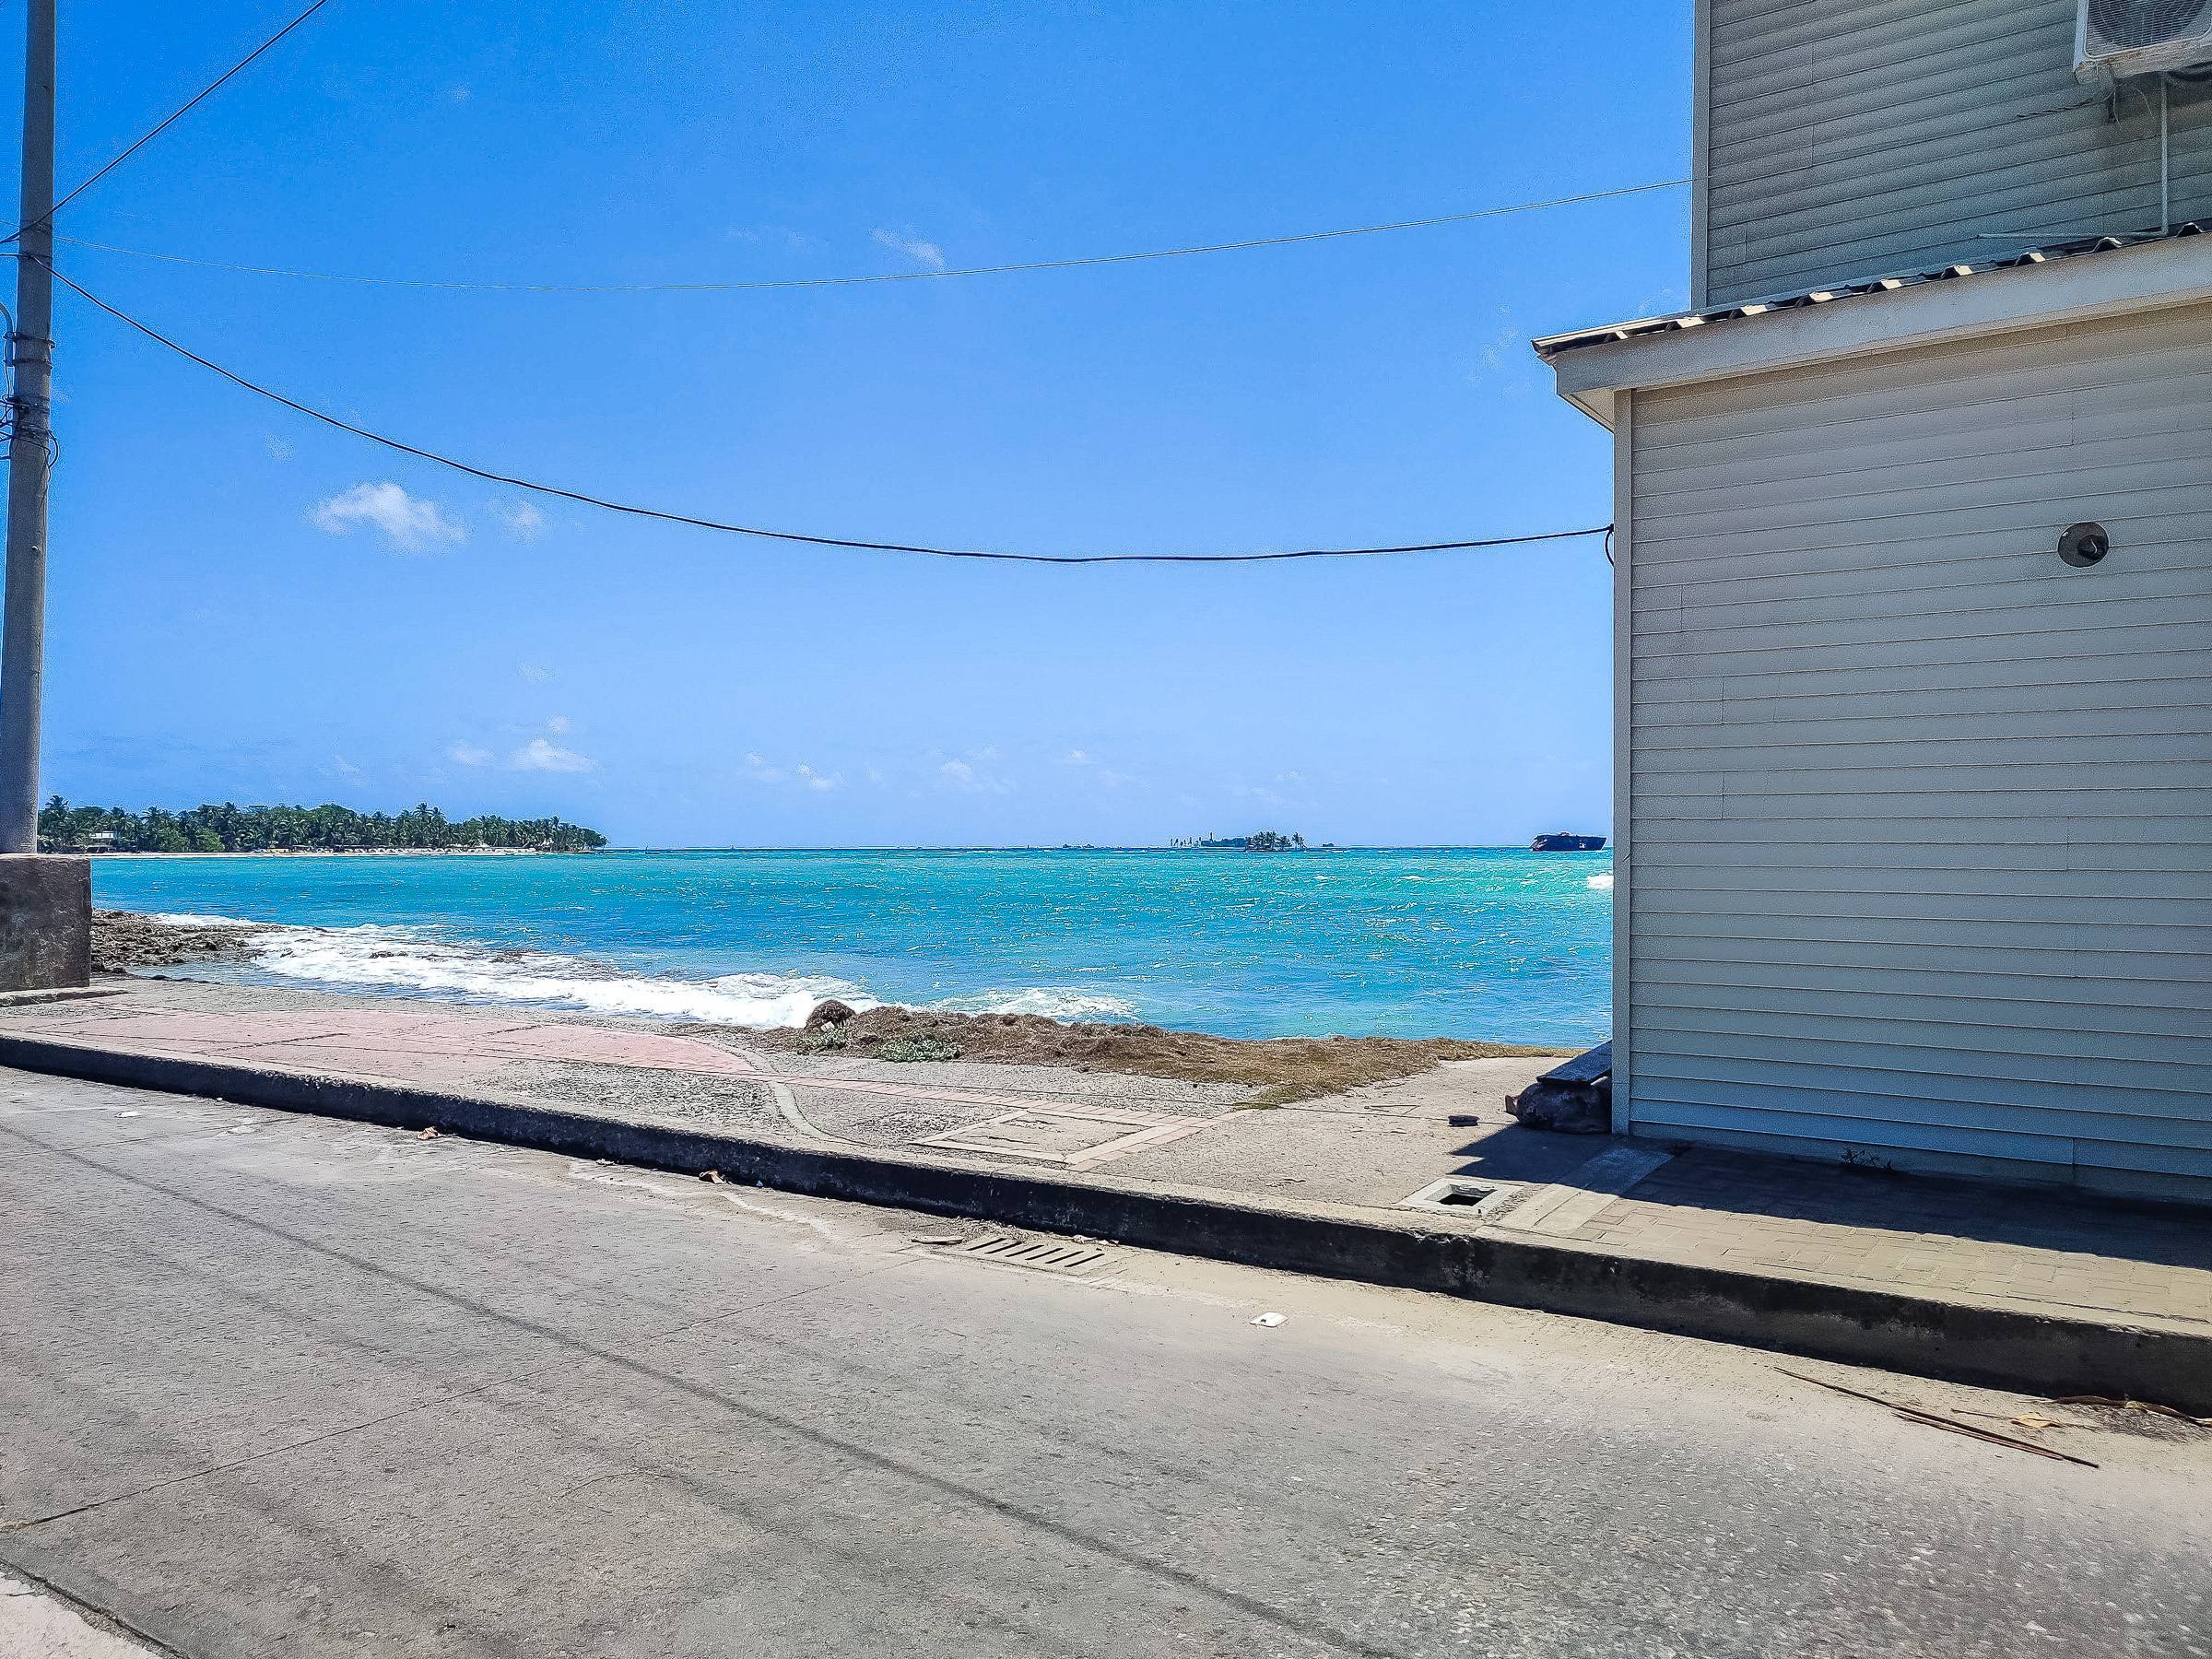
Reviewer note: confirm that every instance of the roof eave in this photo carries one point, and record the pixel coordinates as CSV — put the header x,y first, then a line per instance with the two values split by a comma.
x,y
2024,293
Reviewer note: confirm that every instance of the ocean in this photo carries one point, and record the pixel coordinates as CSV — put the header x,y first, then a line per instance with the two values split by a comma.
x,y
1483,942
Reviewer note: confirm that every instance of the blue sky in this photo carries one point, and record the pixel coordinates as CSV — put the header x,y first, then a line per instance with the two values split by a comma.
x,y
247,606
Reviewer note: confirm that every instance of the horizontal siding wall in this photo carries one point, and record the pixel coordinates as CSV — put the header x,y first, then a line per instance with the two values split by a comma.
x,y
1920,829
1856,138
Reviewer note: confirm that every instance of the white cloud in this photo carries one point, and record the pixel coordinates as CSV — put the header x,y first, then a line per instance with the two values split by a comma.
x,y
962,775
342,768
760,771
408,523
560,725
468,754
1105,775
922,253
532,671
539,755
519,520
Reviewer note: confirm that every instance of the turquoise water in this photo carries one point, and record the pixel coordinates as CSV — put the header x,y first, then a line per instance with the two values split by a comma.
x,y
1477,942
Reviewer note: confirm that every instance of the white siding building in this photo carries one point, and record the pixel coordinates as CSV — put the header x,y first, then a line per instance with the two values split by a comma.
x,y
1915,819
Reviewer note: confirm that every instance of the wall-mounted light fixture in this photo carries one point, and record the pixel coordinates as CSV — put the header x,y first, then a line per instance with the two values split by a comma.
x,y
2082,546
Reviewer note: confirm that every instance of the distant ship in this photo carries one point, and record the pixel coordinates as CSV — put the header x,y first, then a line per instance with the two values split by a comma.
x,y
1568,843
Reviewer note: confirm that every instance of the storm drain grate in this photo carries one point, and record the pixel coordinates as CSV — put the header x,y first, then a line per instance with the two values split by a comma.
x,y
1054,1255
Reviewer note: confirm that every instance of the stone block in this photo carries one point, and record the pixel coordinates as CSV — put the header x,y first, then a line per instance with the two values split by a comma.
x,y
45,922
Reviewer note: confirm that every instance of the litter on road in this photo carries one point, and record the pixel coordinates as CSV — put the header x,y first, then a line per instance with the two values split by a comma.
x,y
1929,1419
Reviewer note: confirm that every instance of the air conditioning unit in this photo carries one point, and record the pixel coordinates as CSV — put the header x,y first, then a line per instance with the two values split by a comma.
x,y
2114,39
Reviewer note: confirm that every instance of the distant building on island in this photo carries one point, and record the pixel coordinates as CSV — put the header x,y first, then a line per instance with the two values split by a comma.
x,y
1259,840
1913,523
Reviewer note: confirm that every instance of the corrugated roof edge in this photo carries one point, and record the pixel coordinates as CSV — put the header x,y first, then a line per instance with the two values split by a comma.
x,y
1552,346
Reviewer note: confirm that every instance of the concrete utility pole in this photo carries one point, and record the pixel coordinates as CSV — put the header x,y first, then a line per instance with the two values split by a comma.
x,y
45,901
29,455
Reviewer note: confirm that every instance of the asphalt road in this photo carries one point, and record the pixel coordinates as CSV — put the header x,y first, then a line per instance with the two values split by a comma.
x,y
276,1385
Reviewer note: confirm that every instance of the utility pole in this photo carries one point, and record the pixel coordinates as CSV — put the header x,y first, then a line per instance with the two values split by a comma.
x,y
30,453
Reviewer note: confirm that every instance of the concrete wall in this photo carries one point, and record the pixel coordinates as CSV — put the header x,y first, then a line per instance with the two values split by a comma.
x,y
1855,138
1920,818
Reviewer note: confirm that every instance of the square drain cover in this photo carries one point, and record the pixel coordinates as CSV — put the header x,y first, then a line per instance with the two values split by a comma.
x,y
1075,1138
1460,1196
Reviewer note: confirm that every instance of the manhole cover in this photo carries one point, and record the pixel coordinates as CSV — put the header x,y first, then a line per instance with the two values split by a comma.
x,y
1076,1137
1054,1255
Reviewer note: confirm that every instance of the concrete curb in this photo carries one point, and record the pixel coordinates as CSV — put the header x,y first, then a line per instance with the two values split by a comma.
x,y
1971,1342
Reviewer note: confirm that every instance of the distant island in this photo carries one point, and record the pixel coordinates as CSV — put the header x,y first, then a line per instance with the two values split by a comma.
x,y
1259,840
230,828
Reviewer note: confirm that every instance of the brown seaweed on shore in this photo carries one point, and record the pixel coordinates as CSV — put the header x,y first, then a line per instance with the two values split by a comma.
x,y
1283,1068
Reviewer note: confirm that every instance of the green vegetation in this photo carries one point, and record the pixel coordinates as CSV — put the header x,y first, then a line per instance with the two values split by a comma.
x,y
823,1039
230,828
1259,840
925,1047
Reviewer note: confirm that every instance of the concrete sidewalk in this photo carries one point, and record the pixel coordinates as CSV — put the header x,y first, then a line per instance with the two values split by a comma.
x,y
1430,1155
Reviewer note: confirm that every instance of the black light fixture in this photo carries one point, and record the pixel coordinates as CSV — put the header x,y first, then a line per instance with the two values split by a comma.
x,y
2082,546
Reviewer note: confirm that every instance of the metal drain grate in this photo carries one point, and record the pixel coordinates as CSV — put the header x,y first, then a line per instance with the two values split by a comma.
x,y
1054,1255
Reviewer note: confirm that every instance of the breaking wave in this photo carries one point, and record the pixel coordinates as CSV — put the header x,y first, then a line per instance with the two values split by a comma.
x,y
401,959
408,962
1052,1001
1603,881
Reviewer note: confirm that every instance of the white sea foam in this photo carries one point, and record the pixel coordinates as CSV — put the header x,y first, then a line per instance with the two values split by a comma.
x,y
189,918
1603,881
403,959
411,963
1054,1002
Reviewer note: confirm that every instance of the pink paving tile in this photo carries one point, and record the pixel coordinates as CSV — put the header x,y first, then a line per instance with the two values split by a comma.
x,y
442,1043
444,1070
212,1033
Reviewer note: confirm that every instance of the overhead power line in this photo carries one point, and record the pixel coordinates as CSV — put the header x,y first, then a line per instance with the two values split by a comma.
x,y
171,120
793,535
922,275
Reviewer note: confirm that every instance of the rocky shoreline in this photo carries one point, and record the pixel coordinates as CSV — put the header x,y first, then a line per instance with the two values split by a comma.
x,y
122,940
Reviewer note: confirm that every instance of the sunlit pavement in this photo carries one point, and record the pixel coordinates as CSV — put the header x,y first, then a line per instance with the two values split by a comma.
x,y
279,1384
